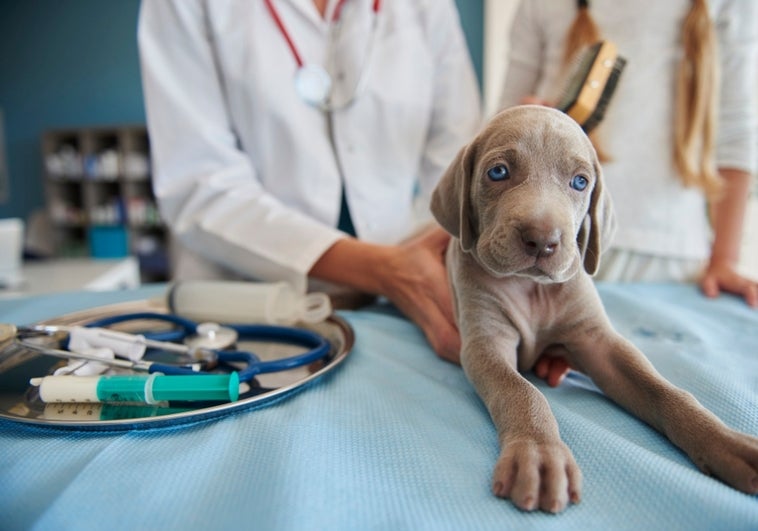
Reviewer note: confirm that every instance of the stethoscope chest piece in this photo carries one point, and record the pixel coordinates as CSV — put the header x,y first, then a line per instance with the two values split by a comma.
x,y
212,336
313,84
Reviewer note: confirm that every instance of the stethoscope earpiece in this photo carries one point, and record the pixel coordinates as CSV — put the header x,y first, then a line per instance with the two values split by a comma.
x,y
212,336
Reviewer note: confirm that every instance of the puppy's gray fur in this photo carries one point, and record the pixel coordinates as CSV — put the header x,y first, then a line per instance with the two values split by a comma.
x,y
520,262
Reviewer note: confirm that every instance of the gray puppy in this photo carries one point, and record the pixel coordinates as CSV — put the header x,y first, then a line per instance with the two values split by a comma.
x,y
529,215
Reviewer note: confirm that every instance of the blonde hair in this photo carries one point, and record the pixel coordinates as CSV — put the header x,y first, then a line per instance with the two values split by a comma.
x,y
695,97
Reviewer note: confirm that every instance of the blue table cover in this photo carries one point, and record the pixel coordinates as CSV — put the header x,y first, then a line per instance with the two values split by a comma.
x,y
395,439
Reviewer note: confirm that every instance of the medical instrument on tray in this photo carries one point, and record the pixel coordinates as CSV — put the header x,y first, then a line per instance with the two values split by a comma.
x,y
230,301
138,366
312,81
318,346
96,411
208,337
149,389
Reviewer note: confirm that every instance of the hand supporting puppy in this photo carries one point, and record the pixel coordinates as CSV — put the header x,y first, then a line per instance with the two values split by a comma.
x,y
412,275
552,367
414,278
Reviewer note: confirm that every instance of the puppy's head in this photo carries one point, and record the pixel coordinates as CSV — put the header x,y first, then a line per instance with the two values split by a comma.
x,y
526,197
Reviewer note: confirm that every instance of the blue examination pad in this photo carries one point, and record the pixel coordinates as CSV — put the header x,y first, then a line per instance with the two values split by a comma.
x,y
397,439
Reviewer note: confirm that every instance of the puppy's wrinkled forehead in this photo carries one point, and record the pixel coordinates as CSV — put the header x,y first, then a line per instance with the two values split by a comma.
x,y
536,129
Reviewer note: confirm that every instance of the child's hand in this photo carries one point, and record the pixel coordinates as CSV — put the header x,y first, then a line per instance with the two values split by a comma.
x,y
723,277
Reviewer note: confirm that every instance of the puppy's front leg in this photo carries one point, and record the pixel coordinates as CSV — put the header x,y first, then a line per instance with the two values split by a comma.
x,y
626,376
535,468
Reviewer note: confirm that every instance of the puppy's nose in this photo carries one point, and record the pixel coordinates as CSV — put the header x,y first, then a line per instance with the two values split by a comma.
x,y
540,242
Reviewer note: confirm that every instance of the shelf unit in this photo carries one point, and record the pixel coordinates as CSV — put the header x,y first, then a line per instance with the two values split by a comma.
x,y
99,196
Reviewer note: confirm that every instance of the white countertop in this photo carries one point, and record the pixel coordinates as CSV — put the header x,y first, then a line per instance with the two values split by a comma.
x,y
74,274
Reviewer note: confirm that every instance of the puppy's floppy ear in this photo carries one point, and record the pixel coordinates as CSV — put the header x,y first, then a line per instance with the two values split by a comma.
x,y
451,202
599,225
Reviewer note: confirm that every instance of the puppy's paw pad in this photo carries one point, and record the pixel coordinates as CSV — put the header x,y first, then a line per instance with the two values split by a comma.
x,y
555,507
528,503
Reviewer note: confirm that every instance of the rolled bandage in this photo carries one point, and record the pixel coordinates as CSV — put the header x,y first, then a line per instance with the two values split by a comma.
x,y
82,367
130,346
230,301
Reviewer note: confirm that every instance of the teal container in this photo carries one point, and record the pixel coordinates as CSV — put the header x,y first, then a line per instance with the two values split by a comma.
x,y
109,241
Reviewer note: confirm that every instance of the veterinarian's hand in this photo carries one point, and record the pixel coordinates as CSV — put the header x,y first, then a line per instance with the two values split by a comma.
x,y
552,368
721,276
416,282
412,275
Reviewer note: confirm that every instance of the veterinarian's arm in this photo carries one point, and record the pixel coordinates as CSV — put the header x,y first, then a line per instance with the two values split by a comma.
x,y
412,275
727,216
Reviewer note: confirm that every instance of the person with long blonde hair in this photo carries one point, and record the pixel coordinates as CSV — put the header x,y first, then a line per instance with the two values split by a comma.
x,y
679,137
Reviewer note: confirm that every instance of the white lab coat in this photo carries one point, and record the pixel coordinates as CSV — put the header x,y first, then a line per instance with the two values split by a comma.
x,y
244,171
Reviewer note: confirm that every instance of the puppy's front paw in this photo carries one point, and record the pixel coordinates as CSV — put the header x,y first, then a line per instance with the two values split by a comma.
x,y
733,459
538,475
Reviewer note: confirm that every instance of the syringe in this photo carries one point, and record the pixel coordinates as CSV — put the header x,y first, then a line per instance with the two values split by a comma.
x,y
94,411
147,389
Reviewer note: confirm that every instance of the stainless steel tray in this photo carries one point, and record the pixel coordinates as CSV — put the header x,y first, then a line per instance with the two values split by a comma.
x,y
19,401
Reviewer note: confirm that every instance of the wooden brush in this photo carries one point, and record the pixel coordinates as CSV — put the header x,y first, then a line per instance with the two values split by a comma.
x,y
592,84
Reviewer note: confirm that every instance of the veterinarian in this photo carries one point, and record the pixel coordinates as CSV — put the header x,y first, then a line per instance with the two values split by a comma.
x,y
296,138
679,168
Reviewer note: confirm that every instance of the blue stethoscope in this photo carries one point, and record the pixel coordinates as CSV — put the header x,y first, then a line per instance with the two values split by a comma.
x,y
170,340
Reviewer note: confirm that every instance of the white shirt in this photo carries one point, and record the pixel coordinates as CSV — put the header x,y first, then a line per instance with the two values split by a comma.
x,y
656,215
244,172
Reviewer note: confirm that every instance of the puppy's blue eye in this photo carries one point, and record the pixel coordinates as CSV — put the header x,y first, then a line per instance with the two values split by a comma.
x,y
579,183
498,172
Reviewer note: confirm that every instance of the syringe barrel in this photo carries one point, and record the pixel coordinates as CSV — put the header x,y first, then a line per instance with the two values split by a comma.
x,y
197,387
67,388
139,388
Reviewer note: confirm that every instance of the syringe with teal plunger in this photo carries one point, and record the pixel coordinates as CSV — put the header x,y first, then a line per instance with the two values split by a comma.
x,y
146,389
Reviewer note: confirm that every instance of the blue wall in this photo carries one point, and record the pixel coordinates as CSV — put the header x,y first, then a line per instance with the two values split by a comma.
x,y
472,18
74,63
71,63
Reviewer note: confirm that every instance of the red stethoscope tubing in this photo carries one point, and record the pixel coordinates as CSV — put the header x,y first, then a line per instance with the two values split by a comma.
x,y
283,29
